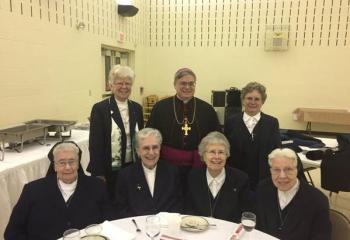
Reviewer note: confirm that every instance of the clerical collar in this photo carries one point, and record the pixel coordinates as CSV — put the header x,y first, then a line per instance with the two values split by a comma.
x,y
67,189
246,117
219,178
184,101
285,197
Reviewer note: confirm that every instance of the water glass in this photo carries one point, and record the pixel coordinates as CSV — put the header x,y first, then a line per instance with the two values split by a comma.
x,y
248,221
152,226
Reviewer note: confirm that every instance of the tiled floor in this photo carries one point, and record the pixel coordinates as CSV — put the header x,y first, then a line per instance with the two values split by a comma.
x,y
340,201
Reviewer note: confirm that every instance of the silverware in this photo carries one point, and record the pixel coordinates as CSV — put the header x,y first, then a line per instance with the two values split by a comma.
x,y
137,227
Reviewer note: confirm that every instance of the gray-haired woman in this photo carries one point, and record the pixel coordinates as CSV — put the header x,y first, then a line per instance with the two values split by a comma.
x,y
217,191
289,208
252,135
113,124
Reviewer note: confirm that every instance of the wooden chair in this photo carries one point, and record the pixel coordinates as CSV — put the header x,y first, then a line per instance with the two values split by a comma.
x,y
148,103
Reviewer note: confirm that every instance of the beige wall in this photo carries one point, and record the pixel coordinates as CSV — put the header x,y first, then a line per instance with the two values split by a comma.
x,y
223,41
296,78
48,69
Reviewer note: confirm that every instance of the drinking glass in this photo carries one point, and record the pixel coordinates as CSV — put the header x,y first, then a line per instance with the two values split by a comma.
x,y
248,221
152,226
71,234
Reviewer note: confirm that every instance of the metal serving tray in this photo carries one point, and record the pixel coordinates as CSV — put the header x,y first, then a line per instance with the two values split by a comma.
x,y
17,135
56,126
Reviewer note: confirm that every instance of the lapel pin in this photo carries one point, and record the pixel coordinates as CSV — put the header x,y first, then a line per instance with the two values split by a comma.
x,y
138,187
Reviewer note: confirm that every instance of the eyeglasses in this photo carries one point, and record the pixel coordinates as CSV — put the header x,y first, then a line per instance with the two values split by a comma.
x,y
278,171
70,163
149,148
252,99
214,153
188,84
121,84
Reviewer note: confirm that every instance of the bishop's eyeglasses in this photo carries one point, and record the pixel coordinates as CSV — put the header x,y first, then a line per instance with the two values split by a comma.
x,y
191,84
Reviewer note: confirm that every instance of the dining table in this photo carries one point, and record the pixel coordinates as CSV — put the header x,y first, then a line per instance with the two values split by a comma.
x,y
218,230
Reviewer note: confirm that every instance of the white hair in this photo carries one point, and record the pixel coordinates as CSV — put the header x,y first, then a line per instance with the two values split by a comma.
x,y
283,152
213,138
120,72
146,132
66,146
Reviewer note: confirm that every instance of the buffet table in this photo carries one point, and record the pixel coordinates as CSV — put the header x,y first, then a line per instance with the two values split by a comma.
x,y
222,231
17,169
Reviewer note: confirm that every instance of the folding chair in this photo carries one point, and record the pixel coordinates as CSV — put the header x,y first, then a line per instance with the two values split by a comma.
x,y
340,225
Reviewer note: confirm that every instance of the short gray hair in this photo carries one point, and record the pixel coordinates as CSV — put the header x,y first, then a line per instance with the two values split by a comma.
x,y
120,72
184,72
66,146
250,87
283,152
213,138
146,132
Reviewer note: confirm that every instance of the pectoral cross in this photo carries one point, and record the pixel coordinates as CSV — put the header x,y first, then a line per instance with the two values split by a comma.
x,y
186,128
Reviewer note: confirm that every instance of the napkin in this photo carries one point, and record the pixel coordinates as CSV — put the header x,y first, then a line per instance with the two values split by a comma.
x,y
115,233
165,217
238,233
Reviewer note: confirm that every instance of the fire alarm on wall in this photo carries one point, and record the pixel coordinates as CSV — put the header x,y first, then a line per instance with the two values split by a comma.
x,y
276,38
121,37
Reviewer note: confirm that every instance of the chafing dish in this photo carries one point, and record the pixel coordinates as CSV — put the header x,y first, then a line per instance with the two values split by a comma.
x,y
2,151
56,126
17,135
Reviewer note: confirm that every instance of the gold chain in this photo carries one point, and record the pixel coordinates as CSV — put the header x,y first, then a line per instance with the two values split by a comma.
x,y
194,112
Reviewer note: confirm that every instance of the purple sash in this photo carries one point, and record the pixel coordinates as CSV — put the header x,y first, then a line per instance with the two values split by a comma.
x,y
180,157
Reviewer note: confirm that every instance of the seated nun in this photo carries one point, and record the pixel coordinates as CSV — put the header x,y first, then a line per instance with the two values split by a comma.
x,y
217,191
288,208
151,185
62,200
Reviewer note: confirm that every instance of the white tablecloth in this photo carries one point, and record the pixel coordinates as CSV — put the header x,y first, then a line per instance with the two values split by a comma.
x,y
17,169
329,142
222,231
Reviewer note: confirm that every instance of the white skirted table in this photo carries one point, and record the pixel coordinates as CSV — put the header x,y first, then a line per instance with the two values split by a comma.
x,y
32,163
222,230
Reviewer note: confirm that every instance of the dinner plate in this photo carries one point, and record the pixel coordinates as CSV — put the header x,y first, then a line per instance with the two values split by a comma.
x,y
94,237
194,224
